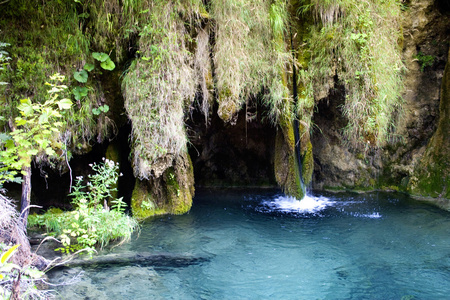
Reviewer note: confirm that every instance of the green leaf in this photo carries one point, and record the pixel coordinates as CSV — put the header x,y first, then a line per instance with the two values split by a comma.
x,y
4,137
43,118
33,273
64,104
100,56
108,65
20,121
81,76
104,108
8,253
80,92
32,152
9,144
96,111
49,151
7,268
26,107
89,67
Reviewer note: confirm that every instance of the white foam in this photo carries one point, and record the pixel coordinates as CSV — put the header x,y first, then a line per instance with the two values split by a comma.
x,y
375,215
309,204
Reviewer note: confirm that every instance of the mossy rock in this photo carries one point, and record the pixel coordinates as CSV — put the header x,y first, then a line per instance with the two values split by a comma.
x,y
431,177
171,193
307,164
286,167
143,204
228,105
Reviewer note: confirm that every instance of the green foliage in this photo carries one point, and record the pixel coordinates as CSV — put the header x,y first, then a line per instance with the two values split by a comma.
x,y
108,65
81,76
37,131
105,62
11,274
100,56
101,109
47,39
92,223
88,67
358,42
80,92
424,60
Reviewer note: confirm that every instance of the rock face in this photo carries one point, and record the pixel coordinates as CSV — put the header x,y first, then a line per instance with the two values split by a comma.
x,y
431,177
426,28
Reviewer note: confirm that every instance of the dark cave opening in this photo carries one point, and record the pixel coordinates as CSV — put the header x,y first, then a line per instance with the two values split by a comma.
x,y
50,188
240,155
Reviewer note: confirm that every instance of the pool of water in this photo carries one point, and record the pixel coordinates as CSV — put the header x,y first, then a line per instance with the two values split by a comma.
x,y
263,245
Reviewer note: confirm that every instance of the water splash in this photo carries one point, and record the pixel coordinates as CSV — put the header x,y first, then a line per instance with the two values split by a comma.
x,y
287,204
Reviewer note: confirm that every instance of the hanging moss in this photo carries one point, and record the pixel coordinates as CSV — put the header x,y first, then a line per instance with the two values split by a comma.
x,y
358,42
157,87
249,53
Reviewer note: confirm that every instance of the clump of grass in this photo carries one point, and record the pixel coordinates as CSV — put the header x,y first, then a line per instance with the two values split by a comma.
x,y
358,42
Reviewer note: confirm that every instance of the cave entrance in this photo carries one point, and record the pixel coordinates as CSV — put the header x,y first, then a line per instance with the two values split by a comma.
x,y
239,155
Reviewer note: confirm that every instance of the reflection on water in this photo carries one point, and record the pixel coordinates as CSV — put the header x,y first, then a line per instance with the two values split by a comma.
x,y
262,245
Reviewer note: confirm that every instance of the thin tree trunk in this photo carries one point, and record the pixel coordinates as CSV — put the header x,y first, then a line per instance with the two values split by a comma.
x,y
26,196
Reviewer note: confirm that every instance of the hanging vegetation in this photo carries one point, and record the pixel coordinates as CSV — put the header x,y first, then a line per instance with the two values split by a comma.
x,y
359,42
250,54
158,87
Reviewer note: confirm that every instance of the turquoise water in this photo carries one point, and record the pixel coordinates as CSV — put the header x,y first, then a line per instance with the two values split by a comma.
x,y
262,245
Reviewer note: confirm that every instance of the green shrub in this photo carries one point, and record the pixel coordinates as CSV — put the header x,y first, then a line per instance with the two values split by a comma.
x,y
424,60
92,223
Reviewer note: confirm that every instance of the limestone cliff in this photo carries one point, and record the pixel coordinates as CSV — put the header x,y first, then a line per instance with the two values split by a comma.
x,y
425,26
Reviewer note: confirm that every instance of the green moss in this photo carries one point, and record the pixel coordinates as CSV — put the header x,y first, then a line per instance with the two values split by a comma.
x,y
47,39
143,205
308,164
180,185
171,193
228,104
285,163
